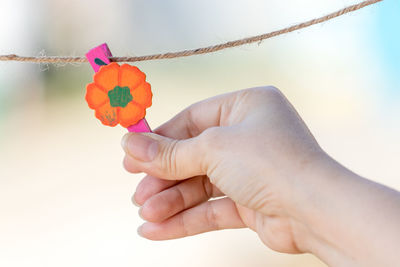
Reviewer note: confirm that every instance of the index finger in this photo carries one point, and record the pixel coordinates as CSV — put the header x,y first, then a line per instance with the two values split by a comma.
x,y
198,117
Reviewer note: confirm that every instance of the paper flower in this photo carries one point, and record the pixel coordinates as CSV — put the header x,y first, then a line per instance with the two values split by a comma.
x,y
119,94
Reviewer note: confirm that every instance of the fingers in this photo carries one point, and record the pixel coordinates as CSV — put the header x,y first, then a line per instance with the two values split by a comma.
x,y
128,164
196,118
209,216
177,153
177,198
167,158
148,187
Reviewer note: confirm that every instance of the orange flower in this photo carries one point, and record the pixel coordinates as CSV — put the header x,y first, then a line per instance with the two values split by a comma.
x,y
119,94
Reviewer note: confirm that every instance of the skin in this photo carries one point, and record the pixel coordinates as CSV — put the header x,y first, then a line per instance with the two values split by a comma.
x,y
252,149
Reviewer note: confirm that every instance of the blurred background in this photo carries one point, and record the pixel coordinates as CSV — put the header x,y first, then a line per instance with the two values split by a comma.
x,y
64,196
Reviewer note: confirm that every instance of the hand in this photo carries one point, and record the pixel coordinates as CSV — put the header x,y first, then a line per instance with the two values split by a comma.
x,y
250,146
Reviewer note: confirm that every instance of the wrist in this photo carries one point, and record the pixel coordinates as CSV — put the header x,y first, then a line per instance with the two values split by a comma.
x,y
310,197
319,208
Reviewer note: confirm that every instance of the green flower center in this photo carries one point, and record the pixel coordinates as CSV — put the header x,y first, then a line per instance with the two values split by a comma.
x,y
120,96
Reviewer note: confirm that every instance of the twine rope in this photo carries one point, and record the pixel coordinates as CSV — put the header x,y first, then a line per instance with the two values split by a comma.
x,y
197,51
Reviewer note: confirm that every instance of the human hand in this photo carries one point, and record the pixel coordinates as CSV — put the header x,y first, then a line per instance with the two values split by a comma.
x,y
250,146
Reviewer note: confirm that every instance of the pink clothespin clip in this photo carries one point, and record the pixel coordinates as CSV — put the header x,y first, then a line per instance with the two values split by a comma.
x,y
119,94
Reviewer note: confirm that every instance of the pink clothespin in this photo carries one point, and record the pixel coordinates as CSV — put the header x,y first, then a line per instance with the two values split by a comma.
x,y
98,57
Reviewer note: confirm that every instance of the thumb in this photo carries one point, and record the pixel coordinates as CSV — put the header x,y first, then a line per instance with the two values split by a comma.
x,y
165,157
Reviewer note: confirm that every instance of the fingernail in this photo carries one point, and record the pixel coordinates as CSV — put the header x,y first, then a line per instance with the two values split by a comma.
x,y
134,201
124,140
139,231
140,146
140,212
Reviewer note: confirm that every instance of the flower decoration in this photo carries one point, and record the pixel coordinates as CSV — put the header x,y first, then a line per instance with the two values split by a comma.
x,y
119,95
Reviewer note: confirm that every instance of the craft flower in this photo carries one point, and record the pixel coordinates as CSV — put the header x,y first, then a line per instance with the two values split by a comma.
x,y
119,94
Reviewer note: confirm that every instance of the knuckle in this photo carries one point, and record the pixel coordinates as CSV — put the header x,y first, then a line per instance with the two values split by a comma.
x,y
207,187
271,92
258,96
268,90
181,197
168,158
184,225
211,217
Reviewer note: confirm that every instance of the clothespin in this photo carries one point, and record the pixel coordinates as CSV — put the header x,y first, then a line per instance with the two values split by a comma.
x,y
121,96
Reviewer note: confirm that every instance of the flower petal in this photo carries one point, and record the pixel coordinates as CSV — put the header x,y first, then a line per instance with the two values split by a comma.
x,y
95,97
131,76
107,114
142,94
131,114
107,77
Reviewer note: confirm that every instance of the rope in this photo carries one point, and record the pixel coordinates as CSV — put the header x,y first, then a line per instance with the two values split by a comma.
x,y
197,51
